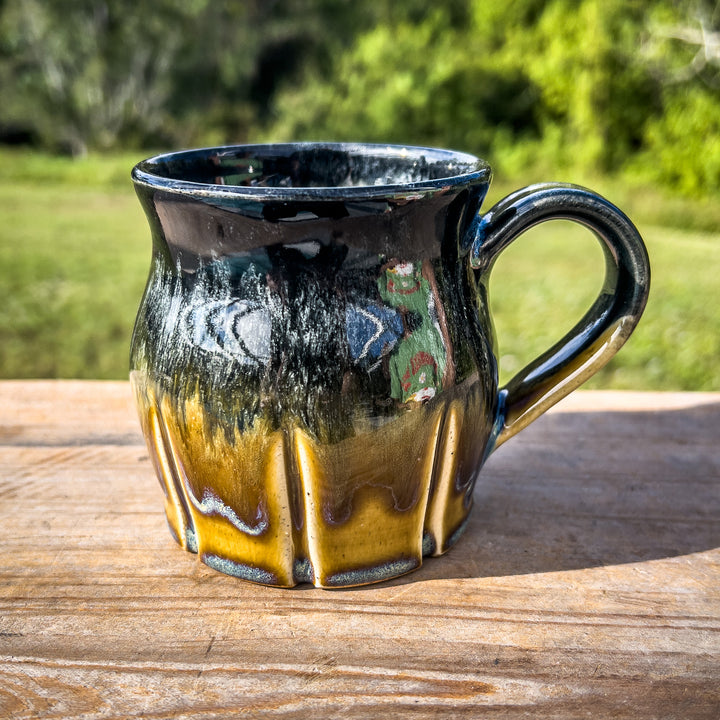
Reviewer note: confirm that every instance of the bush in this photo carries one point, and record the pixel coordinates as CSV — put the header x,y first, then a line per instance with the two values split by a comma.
x,y
413,83
683,145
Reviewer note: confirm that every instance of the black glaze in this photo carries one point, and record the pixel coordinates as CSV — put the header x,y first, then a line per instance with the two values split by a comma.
x,y
321,171
311,267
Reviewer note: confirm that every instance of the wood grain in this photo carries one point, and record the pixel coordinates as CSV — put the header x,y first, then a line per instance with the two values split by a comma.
x,y
587,583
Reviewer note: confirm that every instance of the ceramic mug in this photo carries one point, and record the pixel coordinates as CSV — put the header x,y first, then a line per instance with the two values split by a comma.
x,y
313,358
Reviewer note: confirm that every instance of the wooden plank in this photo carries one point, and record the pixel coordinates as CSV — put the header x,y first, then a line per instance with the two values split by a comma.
x,y
586,583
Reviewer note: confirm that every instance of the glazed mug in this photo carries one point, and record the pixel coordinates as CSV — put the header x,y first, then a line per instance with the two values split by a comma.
x,y
313,359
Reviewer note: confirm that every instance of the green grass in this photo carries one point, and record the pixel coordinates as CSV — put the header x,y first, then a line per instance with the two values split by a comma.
x,y
544,282
74,255
75,251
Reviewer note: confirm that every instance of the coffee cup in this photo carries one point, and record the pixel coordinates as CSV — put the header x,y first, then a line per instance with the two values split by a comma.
x,y
314,359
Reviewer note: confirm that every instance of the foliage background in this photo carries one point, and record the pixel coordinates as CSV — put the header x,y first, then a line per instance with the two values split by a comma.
x,y
604,85
621,95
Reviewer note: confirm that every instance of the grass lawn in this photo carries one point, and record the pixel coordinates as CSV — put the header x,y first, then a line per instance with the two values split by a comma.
x,y
74,255
544,282
75,250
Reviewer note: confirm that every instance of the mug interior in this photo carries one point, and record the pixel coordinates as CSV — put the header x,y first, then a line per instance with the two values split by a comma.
x,y
322,166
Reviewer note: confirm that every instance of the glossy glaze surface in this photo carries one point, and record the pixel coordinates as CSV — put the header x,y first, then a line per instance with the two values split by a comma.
x,y
313,357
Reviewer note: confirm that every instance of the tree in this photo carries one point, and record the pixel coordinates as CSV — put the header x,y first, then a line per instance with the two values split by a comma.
x,y
426,81
99,73
88,72
685,41
682,144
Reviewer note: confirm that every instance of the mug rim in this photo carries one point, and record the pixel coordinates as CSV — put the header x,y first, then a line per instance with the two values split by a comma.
x,y
472,170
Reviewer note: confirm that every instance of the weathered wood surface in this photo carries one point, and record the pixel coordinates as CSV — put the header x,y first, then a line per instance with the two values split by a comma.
x,y
587,584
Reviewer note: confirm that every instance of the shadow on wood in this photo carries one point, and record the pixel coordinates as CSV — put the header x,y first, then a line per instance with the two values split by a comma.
x,y
579,490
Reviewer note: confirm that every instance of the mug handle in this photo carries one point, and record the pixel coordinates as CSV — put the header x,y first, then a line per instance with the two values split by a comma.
x,y
607,324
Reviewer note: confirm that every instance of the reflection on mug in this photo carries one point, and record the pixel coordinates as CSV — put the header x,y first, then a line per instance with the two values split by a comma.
x,y
237,329
419,366
372,332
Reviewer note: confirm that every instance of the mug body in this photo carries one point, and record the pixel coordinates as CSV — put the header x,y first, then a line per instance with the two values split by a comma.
x,y
313,358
